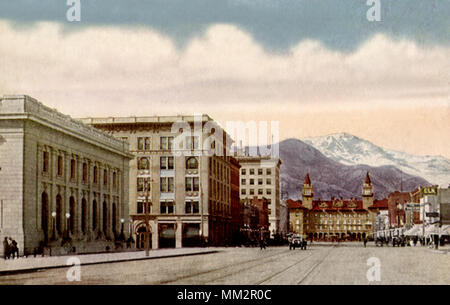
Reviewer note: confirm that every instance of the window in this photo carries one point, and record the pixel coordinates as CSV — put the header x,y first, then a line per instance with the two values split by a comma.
x,y
260,191
72,169
143,143
105,177
268,181
192,207
167,185
243,192
166,207
85,172
114,180
143,163
268,191
260,181
45,162
243,181
252,192
192,163
140,184
192,184
260,171
166,143
268,171
243,171
192,142
60,165
166,163
141,207
95,174
252,181
252,171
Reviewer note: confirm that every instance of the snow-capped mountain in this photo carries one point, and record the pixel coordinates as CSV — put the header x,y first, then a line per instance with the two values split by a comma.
x,y
351,150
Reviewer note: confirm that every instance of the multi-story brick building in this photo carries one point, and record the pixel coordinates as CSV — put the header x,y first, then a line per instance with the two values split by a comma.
x,y
335,219
183,162
63,185
260,177
235,199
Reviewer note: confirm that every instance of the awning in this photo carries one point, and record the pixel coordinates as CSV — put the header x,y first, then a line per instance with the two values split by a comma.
x,y
431,229
416,230
445,230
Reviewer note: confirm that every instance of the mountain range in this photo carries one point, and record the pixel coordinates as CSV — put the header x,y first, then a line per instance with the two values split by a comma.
x,y
351,150
331,178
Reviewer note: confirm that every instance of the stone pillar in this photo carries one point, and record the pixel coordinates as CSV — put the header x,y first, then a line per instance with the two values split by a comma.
x,y
155,234
178,234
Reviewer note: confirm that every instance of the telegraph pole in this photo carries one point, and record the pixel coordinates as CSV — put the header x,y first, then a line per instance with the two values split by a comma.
x,y
147,217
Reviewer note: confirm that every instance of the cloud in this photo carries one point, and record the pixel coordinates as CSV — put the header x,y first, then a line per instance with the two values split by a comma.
x,y
134,70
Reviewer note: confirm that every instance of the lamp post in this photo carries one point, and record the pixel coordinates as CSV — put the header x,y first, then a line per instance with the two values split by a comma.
x,y
68,225
54,225
147,217
122,236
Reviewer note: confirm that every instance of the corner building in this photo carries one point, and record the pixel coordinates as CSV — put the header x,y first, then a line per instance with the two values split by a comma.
x,y
63,185
188,182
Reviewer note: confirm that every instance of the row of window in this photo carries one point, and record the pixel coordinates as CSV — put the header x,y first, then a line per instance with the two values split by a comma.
x,y
166,163
253,170
260,181
345,216
191,207
192,184
166,143
73,170
252,192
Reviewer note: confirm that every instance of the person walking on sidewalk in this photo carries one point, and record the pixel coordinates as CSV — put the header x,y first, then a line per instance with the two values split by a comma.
x,y
365,242
6,248
14,248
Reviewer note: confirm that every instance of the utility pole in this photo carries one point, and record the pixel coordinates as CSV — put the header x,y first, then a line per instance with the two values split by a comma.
x,y
147,217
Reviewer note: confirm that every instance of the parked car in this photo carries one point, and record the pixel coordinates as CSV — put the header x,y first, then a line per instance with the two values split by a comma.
x,y
297,242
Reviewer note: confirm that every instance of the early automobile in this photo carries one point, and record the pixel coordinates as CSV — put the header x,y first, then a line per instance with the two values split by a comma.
x,y
297,242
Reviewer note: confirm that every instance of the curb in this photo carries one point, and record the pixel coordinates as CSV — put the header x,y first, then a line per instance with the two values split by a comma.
x,y
36,269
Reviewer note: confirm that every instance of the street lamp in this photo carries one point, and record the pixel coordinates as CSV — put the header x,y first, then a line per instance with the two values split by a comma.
x,y
54,225
68,225
122,236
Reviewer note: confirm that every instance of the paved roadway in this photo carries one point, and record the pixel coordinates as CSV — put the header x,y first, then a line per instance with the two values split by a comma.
x,y
320,264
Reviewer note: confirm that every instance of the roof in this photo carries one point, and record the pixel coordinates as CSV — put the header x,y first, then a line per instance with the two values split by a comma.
x,y
307,179
368,181
293,204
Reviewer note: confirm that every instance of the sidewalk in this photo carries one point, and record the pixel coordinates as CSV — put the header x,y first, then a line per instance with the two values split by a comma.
x,y
31,264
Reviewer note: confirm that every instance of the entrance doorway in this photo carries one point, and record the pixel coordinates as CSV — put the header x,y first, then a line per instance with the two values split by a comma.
x,y
166,235
140,238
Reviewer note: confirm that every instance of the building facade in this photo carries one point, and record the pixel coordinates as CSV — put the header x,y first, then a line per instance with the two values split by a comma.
x,y
182,164
335,219
63,185
260,177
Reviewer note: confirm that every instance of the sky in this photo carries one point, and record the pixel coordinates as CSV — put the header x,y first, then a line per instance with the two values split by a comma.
x,y
316,66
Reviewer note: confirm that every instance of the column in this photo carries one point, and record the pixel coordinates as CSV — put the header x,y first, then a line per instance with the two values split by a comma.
x,y
178,234
155,234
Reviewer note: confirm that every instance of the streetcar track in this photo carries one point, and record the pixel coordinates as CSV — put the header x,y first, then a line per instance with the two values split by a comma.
x,y
270,257
315,266
285,269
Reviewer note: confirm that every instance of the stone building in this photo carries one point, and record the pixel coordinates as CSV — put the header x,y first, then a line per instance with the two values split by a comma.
x,y
260,176
335,219
235,199
63,184
183,163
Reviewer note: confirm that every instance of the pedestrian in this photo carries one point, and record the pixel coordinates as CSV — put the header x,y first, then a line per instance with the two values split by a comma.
x,y
365,241
6,248
15,248
262,243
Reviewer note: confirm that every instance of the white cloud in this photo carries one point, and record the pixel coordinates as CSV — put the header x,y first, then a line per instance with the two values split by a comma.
x,y
111,71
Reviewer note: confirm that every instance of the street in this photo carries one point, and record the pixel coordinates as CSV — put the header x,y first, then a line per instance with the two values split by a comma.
x,y
319,264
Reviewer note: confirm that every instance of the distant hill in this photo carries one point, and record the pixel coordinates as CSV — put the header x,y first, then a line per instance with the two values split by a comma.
x,y
351,150
331,178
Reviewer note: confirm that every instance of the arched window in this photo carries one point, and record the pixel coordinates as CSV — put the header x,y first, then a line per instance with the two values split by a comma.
x,y
94,214
105,217
72,211
58,213
143,164
95,174
44,214
83,215
114,218
192,163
